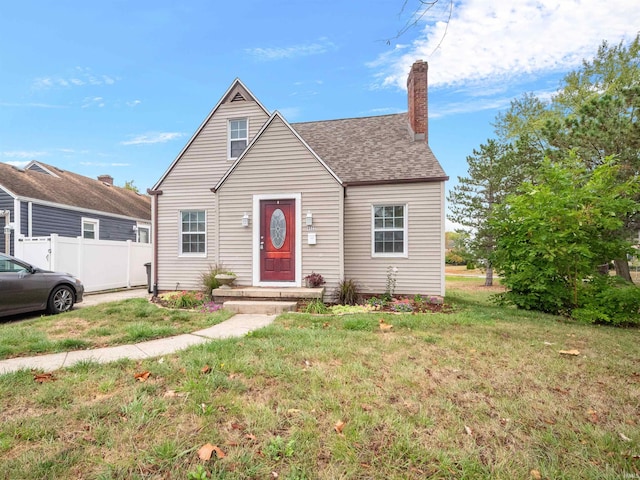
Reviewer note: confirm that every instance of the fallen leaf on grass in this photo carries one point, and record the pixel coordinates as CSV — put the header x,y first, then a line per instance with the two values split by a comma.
x,y
593,416
569,352
206,452
43,377
205,369
385,327
142,376
535,474
339,426
624,437
236,426
249,436
468,430
274,475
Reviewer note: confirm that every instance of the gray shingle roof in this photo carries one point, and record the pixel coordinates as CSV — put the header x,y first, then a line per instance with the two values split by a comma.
x,y
372,149
74,190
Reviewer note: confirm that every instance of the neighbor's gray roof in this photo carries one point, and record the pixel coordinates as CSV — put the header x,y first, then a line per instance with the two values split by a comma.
x,y
74,190
372,149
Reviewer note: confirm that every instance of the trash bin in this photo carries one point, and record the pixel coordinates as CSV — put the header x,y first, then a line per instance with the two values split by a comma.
x,y
148,266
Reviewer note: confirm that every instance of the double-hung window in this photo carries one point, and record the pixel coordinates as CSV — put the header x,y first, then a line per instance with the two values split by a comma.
x,y
90,228
389,230
193,232
238,137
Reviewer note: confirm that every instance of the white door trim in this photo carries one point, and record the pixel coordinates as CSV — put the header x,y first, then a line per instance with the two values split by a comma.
x,y
256,238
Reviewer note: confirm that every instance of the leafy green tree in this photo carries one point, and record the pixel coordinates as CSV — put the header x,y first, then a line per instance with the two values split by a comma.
x,y
129,185
554,234
595,113
494,170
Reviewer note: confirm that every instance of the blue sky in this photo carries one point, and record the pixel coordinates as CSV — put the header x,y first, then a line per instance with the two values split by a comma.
x,y
119,86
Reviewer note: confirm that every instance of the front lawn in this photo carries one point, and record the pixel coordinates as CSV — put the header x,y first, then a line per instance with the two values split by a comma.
x,y
483,392
117,323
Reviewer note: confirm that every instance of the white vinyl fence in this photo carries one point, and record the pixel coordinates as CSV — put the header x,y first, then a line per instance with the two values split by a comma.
x,y
100,264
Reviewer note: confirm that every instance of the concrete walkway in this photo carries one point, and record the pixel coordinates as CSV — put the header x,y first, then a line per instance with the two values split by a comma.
x,y
236,326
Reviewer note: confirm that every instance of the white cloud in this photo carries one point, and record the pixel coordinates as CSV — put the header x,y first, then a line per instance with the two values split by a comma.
x,y
19,164
488,43
80,76
151,138
294,51
30,105
93,102
22,154
134,103
104,164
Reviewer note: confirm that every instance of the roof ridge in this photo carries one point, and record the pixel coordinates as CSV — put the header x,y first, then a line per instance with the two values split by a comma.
x,y
350,118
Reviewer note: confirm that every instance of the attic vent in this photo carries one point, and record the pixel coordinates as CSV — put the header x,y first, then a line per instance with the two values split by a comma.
x,y
238,98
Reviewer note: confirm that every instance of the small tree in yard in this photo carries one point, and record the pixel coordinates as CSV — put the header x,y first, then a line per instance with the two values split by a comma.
x,y
553,235
494,171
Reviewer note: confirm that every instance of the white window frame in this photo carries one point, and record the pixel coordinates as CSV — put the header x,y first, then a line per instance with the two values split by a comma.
x,y
181,233
96,228
229,139
405,230
143,226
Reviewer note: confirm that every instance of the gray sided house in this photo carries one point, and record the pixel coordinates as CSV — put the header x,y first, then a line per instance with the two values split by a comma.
x,y
40,200
274,202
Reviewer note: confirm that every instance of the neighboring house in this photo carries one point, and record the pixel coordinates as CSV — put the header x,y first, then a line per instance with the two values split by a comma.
x,y
274,202
40,200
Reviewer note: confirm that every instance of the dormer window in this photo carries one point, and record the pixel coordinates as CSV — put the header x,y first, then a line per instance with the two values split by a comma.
x,y
238,137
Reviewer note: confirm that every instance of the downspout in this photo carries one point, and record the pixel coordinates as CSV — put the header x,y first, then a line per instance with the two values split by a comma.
x,y
154,226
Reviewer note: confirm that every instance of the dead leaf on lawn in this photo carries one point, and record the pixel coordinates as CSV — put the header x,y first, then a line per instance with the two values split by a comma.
x,y
43,377
142,376
468,430
237,426
205,369
535,474
624,437
385,327
205,452
593,416
274,475
339,426
249,436
219,452
569,352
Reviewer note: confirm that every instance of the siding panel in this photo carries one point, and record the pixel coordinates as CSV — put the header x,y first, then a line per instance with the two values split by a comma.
x,y
422,271
188,187
280,164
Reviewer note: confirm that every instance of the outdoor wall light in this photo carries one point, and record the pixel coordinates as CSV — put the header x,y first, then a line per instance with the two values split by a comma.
x,y
245,219
135,228
7,229
309,218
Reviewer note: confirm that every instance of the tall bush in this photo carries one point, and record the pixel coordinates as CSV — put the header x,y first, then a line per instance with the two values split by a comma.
x,y
554,233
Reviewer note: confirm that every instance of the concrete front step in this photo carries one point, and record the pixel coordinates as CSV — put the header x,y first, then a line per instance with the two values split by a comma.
x,y
267,307
267,293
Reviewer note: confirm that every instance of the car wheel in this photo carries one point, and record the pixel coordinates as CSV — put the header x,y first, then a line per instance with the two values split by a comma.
x,y
60,300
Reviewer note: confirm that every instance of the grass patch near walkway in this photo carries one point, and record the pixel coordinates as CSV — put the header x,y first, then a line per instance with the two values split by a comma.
x,y
481,393
117,323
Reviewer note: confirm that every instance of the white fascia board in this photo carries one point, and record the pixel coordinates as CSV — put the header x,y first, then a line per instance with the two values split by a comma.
x,y
237,81
35,162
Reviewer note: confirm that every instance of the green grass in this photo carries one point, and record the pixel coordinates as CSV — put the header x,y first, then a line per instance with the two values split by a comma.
x,y
479,393
117,323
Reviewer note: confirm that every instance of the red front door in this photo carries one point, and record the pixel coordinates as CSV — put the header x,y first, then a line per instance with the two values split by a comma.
x,y
277,240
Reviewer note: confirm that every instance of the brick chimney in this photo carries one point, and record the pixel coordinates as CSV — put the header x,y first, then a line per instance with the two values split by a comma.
x,y
418,105
105,179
